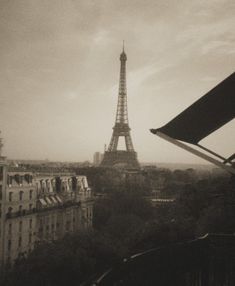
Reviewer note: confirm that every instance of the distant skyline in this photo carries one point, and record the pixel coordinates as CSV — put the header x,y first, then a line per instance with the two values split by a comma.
x,y
59,73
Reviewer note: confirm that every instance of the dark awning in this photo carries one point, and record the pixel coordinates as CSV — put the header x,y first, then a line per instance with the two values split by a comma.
x,y
206,115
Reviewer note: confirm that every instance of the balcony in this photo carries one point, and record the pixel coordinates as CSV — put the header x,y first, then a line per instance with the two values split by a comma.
x,y
20,213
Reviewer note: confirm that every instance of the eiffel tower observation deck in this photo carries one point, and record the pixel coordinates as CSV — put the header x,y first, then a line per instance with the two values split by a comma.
x,y
114,157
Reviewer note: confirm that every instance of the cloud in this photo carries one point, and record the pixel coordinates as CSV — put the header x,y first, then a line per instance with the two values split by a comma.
x,y
71,95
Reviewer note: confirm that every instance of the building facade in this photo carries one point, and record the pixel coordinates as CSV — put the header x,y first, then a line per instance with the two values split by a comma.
x,y
39,207
97,158
3,171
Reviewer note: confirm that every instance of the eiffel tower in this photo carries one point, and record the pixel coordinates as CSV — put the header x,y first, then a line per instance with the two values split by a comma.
x,y
114,157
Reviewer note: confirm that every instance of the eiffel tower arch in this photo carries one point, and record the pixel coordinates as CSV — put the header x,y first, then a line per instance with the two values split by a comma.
x,y
114,157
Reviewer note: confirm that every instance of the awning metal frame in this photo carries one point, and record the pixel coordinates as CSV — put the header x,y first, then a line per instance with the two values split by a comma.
x,y
200,154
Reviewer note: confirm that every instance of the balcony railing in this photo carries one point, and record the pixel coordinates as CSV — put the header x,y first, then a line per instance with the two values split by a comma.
x,y
40,210
206,261
20,213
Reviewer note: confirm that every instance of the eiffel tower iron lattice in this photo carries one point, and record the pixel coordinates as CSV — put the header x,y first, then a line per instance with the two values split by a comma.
x,y
114,157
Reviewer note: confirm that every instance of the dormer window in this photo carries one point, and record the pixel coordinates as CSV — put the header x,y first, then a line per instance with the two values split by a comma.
x,y
53,184
48,183
43,186
38,186
21,180
9,180
17,178
26,177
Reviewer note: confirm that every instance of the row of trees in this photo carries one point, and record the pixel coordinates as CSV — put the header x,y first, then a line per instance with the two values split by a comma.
x,y
108,180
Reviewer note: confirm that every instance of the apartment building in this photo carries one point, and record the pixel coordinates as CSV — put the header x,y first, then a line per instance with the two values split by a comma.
x,y
36,208
3,170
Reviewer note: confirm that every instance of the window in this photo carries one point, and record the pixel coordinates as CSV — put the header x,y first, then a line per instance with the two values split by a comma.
x,y
9,244
30,194
21,195
0,192
20,209
10,196
30,207
67,226
1,173
20,241
8,260
9,211
30,223
30,237
9,228
20,226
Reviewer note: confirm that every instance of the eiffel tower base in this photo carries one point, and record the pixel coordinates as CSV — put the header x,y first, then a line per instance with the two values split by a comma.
x,y
120,159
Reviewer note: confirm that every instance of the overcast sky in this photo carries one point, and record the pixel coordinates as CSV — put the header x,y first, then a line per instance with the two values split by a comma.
x,y
59,73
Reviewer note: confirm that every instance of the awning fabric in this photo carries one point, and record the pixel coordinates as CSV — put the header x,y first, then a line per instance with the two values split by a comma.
x,y
59,199
206,115
43,202
53,199
48,200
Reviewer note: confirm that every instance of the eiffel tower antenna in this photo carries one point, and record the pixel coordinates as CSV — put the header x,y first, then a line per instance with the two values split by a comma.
x,y
113,156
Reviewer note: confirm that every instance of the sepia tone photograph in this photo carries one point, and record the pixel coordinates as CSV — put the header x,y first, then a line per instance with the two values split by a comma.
x,y
117,155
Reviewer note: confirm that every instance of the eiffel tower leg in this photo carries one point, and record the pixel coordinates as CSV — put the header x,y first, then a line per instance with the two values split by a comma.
x,y
113,144
129,145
